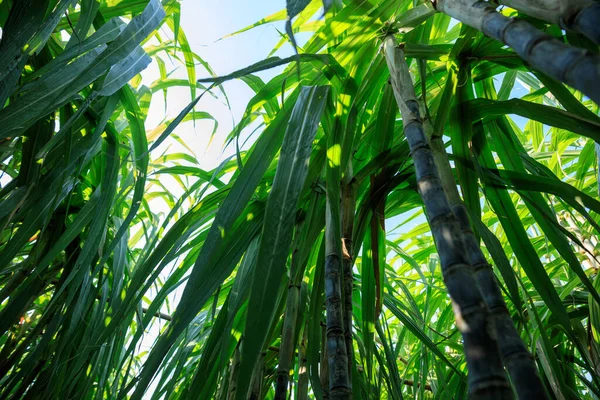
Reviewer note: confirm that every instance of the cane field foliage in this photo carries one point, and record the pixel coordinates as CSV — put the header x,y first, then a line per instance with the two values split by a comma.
x,y
234,285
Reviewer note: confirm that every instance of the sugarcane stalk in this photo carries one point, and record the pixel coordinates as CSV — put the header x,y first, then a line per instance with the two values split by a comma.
x,y
348,210
576,67
486,378
339,386
517,359
576,15
324,363
302,367
305,235
286,350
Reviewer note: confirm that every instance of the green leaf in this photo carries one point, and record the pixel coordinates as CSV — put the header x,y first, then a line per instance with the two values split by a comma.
x,y
206,275
277,230
502,205
125,70
484,108
416,330
61,86
263,65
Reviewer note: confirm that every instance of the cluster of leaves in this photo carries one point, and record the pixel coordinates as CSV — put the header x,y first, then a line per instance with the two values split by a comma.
x,y
81,248
77,179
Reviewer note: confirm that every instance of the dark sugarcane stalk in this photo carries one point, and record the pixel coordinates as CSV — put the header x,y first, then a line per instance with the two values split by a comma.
x,y
576,67
348,210
286,350
339,385
306,233
580,16
324,364
303,367
517,359
486,379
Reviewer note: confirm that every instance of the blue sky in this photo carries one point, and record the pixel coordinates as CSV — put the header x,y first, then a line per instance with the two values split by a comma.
x,y
204,23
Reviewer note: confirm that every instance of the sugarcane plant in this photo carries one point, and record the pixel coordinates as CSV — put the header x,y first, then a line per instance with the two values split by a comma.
x,y
348,205
516,358
487,378
574,66
337,353
297,295
579,16
391,222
